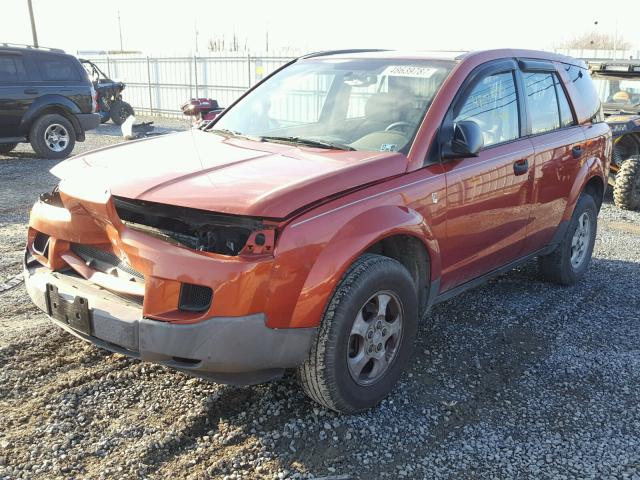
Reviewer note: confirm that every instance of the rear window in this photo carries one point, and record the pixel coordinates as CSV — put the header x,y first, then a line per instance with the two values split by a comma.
x,y
11,68
58,69
586,89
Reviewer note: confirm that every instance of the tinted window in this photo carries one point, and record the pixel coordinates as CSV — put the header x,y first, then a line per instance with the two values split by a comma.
x,y
58,69
493,105
542,102
566,117
11,68
588,95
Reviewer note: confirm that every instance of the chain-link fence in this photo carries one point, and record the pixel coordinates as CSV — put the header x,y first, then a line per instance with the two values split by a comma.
x,y
158,85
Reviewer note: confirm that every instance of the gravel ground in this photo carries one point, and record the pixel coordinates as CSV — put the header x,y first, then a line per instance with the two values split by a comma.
x,y
514,379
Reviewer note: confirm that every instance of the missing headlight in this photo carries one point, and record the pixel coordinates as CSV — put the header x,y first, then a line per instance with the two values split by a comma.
x,y
195,229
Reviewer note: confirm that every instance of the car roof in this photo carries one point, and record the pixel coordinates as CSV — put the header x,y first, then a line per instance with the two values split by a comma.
x,y
19,48
451,55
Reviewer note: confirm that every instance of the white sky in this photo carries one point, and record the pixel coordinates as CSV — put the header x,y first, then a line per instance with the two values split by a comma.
x,y
167,27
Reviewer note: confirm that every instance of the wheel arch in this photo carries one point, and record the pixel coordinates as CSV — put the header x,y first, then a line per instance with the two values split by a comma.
x,y
413,254
591,178
595,187
386,230
52,104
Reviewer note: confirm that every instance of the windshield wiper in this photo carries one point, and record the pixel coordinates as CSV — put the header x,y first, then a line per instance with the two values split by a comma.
x,y
233,133
309,142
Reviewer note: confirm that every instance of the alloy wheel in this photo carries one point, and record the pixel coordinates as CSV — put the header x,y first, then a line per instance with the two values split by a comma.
x,y
580,240
56,137
375,338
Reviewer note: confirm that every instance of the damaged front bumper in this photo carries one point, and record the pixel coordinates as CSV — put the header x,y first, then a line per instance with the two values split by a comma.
x,y
234,350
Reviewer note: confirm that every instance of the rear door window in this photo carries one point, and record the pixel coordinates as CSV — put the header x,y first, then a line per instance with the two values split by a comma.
x,y
11,68
493,105
566,116
58,69
542,101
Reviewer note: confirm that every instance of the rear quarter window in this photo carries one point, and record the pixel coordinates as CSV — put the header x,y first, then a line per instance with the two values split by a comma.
x,y
583,93
58,69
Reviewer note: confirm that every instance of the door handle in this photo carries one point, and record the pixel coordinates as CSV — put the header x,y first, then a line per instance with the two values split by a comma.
x,y
577,151
520,167
31,91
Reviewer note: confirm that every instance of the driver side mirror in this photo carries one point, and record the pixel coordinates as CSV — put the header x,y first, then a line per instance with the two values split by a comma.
x,y
467,140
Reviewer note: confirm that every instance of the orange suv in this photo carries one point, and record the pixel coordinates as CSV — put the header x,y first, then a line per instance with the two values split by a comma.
x,y
315,221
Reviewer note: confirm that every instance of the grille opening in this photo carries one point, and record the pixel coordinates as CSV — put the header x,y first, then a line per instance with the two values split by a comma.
x,y
106,262
41,244
195,298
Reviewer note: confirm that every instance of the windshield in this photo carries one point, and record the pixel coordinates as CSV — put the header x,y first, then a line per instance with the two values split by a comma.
x,y
363,104
620,94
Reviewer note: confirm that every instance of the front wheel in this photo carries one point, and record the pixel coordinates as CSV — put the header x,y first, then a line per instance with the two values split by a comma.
x,y
365,337
569,261
626,192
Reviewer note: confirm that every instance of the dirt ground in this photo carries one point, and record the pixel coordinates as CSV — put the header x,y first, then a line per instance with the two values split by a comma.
x,y
517,378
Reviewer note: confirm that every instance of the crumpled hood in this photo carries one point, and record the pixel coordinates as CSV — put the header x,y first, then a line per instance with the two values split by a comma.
x,y
203,170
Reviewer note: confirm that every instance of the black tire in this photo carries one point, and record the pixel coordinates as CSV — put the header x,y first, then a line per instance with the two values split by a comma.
x,y
626,192
557,267
7,147
44,149
120,111
325,375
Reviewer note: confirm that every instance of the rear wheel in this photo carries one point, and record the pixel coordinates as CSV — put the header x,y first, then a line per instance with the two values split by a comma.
x,y
7,147
52,136
626,192
570,260
120,111
365,337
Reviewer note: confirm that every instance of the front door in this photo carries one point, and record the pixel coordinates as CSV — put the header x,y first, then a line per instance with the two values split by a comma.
x,y
488,196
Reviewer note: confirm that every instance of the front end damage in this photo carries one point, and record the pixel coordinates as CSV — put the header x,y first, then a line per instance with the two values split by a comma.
x,y
182,287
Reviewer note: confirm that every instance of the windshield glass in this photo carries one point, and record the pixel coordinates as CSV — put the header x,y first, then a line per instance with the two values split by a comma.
x,y
362,104
618,93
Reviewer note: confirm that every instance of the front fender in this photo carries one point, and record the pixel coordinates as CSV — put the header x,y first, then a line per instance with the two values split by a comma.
x,y
50,102
314,271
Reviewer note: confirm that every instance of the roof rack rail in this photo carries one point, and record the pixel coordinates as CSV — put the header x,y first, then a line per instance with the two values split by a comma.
x,y
21,45
341,52
629,67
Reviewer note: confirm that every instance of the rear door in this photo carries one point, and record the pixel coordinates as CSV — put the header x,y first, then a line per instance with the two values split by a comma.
x,y
13,100
488,196
559,148
62,74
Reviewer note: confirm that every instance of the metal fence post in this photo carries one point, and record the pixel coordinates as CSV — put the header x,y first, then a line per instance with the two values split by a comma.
x,y
248,71
108,67
149,86
195,73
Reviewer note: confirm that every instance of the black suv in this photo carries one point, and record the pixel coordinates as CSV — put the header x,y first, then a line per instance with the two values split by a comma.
x,y
46,99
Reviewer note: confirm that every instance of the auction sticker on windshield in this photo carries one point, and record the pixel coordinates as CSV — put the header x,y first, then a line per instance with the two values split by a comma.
x,y
409,71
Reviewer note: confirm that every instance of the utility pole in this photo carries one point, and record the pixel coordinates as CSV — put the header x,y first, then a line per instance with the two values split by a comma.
x,y
119,29
33,24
